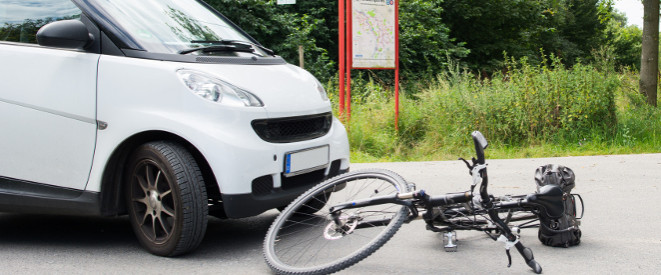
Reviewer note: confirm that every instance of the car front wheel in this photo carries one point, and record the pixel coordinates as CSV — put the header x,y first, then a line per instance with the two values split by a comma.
x,y
167,200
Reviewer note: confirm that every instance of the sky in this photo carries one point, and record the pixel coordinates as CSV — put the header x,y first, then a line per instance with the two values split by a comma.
x,y
633,9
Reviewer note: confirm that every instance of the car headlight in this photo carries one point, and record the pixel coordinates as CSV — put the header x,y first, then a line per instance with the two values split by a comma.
x,y
216,90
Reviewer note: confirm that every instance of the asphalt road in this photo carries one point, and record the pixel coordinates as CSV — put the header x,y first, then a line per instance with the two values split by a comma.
x,y
620,230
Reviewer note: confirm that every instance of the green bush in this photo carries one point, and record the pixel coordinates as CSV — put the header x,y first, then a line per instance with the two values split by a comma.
x,y
523,106
639,124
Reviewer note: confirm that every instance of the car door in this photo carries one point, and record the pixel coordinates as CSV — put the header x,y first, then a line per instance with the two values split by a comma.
x,y
47,101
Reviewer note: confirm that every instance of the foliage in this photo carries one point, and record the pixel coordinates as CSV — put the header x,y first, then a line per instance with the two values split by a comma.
x,y
282,31
567,28
425,43
475,33
638,122
488,28
581,29
546,105
624,40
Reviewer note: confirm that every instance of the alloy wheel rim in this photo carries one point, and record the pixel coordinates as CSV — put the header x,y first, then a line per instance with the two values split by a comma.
x,y
153,202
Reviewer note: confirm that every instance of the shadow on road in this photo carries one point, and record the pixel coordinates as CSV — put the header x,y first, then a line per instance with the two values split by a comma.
x,y
96,234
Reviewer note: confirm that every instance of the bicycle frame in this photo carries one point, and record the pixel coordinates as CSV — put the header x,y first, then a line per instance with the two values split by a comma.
x,y
420,202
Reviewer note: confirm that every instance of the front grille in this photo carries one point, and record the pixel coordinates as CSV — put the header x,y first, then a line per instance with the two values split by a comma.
x,y
292,129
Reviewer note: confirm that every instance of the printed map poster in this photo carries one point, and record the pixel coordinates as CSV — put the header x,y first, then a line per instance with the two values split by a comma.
x,y
373,33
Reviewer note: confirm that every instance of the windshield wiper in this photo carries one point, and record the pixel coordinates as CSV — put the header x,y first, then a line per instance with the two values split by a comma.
x,y
235,43
220,48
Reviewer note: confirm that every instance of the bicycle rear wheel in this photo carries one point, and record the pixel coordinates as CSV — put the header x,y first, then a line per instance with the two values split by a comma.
x,y
301,241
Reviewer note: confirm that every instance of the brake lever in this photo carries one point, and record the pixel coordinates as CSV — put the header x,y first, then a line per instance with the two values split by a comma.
x,y
509,258
508,244
524,251
470,167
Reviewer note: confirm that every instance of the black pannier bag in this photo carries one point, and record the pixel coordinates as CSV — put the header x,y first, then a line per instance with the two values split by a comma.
x,y
562,231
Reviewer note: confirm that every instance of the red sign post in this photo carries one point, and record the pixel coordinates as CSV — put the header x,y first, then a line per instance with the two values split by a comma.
x,y
368,41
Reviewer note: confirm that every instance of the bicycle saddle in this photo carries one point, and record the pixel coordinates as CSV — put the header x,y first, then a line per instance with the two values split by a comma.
x,y
549,197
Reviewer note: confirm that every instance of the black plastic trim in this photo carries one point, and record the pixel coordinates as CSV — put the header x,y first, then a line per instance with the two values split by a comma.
x,y
108,47
68,34
95,45
19,196
279,130
247,205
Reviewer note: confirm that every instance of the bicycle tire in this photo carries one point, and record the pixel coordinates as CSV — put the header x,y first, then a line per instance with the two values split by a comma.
x,y
302,243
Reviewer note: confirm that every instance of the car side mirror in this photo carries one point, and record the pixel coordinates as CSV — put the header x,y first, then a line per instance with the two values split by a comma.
x,y
70,34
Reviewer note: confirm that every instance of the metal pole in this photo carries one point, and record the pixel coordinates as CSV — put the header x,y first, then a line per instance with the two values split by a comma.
x,y
396,65
300,56
341,28
349,57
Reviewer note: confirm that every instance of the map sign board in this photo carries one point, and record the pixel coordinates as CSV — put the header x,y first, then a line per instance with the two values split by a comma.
x,y
373,33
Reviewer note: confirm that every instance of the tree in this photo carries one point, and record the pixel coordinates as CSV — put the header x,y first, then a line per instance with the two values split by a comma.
x,y
490,27
624,41
424,41
582,28
649,59
282,29
569,29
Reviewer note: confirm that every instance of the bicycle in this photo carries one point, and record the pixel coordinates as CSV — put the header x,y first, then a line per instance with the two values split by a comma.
x,y
343,220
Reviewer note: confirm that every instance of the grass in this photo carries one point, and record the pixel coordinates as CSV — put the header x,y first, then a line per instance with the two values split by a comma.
x,y
525,112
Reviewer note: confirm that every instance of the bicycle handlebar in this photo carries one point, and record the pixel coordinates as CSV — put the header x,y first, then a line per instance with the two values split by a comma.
x,y
528,257
481,144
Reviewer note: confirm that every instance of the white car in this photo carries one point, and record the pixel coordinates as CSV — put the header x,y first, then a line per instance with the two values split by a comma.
x,y
164,110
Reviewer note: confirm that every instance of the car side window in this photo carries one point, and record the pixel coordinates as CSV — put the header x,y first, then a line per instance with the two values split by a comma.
x,y
20,19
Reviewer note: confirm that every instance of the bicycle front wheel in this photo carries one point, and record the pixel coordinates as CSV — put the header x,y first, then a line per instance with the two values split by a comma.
x,y
310,241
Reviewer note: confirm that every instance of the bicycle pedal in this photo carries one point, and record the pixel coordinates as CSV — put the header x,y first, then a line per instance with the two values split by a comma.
x,y
450,241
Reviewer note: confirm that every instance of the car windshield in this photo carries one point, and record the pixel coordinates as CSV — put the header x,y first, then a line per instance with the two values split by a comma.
x,y
171,26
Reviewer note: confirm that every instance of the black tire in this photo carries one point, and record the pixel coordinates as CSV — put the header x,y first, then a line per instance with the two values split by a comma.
x,y
299,242
166,198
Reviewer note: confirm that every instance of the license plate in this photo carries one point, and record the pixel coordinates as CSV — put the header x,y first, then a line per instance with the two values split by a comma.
x,y
303,161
